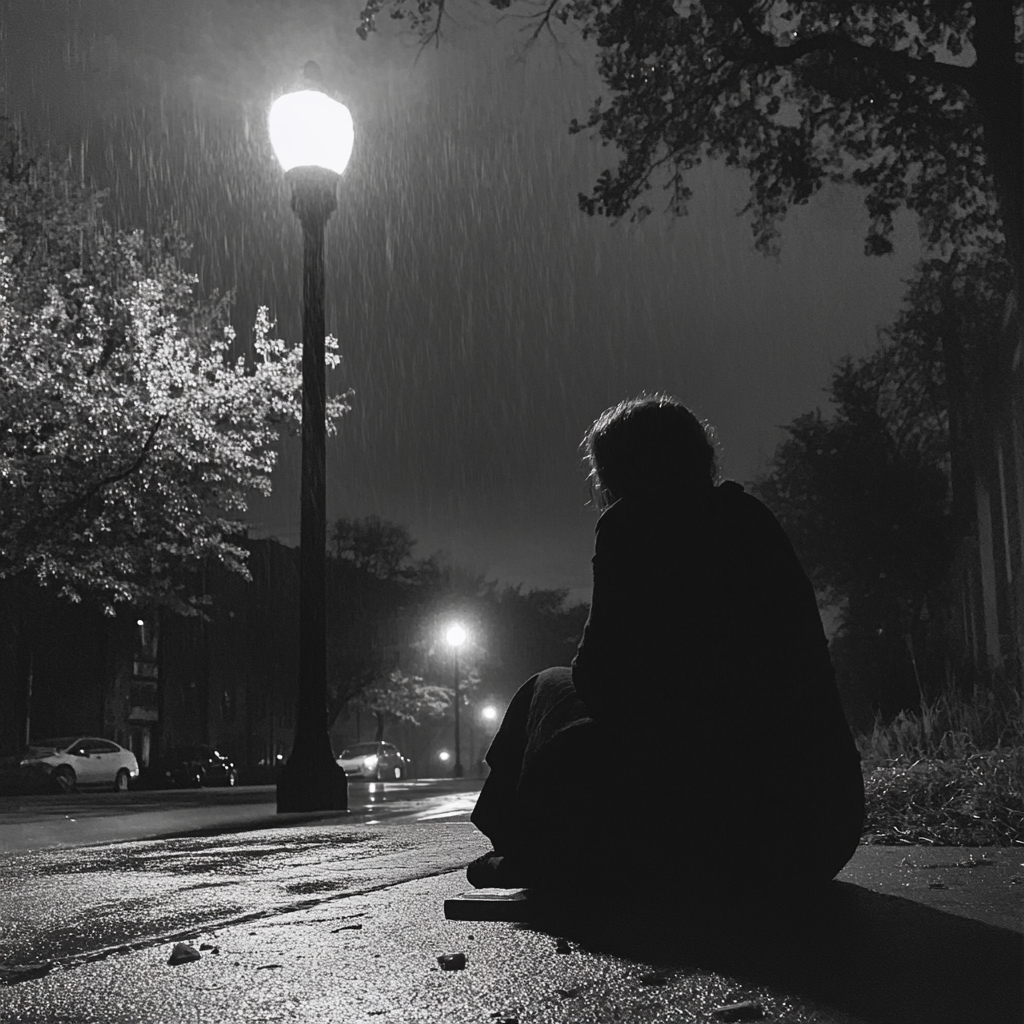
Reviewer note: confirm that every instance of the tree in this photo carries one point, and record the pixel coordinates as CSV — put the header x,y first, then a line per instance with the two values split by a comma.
x,y
865,497
403,698
531,630
374,545
919,102
377,592
129,437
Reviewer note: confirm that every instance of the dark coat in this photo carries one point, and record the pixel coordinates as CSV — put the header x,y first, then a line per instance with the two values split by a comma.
x,y
700,714
704,645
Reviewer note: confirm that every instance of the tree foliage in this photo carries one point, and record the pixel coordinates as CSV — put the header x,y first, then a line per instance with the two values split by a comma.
x,y
864,498
387,610
377,593
877,495
917,102
403,698
129,436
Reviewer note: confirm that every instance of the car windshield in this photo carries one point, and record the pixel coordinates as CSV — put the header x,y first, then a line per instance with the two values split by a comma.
x,y
61,743
360,750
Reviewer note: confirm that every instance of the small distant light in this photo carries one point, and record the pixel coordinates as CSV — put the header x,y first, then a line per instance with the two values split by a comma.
x,y
444,755
489,712
139,622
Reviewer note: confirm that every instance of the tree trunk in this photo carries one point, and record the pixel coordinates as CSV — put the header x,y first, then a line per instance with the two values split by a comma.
x,y
380,716
999,93
960,439
15,656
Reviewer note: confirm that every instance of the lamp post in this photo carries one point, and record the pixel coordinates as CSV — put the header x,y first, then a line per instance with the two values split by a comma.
x,y
312,137
455,636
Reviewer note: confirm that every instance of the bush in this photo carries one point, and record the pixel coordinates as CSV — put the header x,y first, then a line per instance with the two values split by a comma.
x,y
950,773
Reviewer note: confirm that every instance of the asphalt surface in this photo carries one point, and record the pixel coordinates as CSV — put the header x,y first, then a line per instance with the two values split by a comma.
x,y
41,822
342,920
345,923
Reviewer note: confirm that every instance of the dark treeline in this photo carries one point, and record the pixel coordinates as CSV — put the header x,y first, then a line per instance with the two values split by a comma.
x,y
880,496
152,677
387,610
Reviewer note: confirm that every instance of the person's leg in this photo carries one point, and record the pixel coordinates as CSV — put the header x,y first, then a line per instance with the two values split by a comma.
x,y
568,810
495,810
810,832
539,804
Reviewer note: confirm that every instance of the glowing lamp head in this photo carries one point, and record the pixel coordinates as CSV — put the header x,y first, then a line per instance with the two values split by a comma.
x,y
455,635
309,129
489,712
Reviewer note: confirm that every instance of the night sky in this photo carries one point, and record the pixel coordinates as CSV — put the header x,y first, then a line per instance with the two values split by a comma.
x,y
484,322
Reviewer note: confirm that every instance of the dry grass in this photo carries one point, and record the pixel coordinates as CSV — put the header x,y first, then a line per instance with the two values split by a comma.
x,y
948,774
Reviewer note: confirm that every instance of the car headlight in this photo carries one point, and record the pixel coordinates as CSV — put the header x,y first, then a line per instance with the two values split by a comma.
x,y
371,762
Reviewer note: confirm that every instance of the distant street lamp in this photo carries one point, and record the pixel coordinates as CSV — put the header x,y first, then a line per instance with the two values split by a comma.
x,y
455,636
312,137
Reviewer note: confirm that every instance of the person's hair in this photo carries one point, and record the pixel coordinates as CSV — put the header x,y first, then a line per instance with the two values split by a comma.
x,y
650,446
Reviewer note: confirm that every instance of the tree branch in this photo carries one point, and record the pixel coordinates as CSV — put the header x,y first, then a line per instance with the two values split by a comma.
x,y
887,61
68,509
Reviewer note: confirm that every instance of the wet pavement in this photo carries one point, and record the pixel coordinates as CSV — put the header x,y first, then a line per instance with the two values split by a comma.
x,y
342,919
66,904
46,821
345,923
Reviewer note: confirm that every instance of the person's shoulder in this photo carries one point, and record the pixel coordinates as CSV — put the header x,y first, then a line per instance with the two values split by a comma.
x,y
733,495
748,513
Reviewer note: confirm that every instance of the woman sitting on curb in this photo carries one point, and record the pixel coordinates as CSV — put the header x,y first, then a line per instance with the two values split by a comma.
x,y
699,731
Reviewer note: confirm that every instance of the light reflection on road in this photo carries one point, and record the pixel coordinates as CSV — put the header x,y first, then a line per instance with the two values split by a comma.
x,y
79,819
393,801
455,808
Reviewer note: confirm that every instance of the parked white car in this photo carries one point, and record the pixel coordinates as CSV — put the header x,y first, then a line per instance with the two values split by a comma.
x,y
83,761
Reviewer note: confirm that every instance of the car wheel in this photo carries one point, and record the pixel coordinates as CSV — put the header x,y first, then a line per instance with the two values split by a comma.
x,y
398,772
232,779
121,781
64,779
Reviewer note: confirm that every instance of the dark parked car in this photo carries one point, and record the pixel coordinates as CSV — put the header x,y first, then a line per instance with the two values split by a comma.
x,y
199,765
374,761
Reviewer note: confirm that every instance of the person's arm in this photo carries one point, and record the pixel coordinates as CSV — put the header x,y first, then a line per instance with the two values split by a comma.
x,y
604,659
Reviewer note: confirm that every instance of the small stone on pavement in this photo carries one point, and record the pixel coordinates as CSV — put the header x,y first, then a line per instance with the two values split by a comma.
x,y
183,953
452,961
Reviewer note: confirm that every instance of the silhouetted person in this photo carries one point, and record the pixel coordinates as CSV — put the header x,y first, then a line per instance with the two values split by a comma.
x,y
699,731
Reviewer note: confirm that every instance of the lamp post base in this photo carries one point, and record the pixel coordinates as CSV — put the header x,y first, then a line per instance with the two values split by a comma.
x,y
311,784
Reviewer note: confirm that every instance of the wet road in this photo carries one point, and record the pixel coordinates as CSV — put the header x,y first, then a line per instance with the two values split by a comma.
x,y
364,797
76,903
80,819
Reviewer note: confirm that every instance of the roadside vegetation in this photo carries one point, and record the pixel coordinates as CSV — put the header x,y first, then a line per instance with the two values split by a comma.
x,y
950,773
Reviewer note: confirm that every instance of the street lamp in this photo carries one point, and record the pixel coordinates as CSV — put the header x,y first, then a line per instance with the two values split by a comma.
x,y
455,636
312,138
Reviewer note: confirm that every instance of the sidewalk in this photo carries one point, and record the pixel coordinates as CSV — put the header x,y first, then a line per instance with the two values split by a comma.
x,y
910,935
